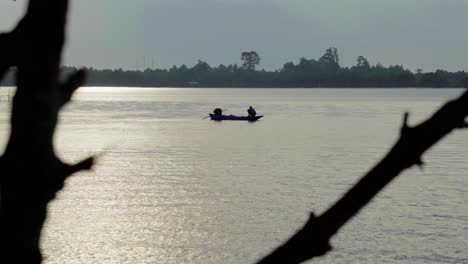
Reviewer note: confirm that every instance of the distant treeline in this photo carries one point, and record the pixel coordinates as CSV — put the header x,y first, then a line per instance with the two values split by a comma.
x,y
324,72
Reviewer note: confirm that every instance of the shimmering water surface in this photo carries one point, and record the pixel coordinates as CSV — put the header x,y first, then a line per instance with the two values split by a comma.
x,y
171,187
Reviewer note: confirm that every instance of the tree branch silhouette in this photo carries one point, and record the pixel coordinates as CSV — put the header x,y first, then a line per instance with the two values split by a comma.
x,y
313,239
31,173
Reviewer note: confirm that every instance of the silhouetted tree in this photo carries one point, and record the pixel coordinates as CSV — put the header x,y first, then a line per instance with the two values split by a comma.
x,y
250,60
330,57
362,63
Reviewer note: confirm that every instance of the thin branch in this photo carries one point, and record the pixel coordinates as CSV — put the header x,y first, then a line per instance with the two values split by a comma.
x,y
56,182
86,164
405,120
74,82
313,240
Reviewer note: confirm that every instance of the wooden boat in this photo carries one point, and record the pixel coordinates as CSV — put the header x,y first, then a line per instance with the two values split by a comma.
x,y
233,117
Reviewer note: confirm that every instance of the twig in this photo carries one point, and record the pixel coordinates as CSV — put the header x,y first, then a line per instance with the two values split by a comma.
x,y
313,239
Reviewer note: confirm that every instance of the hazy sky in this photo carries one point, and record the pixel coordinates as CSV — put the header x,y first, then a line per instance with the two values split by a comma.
x,y
427,34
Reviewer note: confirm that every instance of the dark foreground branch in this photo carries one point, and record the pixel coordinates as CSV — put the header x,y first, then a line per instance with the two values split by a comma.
x,y
313,239
7,52
31,173
74,82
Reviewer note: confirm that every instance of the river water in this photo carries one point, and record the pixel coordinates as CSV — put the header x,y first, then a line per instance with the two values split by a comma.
x,y
172,187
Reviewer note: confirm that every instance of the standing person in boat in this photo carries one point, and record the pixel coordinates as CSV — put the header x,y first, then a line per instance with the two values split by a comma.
x,y
251,111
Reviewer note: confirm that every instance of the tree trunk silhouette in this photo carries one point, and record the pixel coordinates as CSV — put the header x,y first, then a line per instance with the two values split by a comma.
x,y
313,239
31,173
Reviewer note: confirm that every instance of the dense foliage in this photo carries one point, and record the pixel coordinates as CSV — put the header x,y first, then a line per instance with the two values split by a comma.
x,y
324,72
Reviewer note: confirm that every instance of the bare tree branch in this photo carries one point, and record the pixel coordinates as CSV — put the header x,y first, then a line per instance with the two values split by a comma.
x,y
313,239
74,82
86,164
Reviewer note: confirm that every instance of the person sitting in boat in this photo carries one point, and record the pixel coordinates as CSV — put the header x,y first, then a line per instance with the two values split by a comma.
x,y
218,111
251,111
